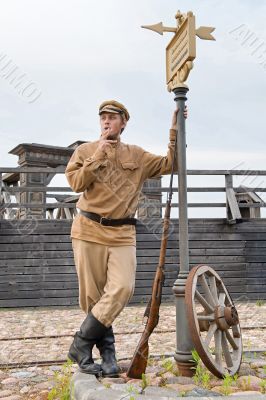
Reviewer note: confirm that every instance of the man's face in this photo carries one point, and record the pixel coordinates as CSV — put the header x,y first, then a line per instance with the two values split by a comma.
x,y
111,123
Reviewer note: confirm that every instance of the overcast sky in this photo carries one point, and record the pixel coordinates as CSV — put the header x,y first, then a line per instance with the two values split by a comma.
x,y
79,53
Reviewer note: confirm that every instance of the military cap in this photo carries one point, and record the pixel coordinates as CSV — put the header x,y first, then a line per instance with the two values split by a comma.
x,y
113,106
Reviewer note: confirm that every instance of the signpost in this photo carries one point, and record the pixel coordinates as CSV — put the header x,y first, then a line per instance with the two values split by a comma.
x,y
180,53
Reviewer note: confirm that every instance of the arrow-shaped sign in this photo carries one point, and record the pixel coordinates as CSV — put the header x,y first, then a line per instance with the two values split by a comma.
x,y
204,32
159,28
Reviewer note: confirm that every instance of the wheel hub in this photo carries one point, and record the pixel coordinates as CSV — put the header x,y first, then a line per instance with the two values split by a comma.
x,y
225,317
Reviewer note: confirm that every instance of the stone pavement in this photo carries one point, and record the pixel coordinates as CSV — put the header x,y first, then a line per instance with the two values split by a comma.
x,y
44,334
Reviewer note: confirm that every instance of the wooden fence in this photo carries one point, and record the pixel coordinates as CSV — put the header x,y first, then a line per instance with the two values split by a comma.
x,y
36,259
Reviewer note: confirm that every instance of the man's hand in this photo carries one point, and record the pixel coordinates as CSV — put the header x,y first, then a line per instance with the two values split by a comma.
x,y
174,119
104,142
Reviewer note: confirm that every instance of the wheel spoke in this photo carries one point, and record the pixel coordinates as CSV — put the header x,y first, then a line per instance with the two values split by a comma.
x,y
207,291
209,317
221,298
209,308
236,331
218,347
213,289
231,340
211,331
227,355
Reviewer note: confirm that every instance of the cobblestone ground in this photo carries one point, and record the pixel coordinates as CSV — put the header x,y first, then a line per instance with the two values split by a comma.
x,y
44,334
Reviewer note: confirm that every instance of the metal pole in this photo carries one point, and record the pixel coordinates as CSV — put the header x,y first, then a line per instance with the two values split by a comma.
x,y
184,343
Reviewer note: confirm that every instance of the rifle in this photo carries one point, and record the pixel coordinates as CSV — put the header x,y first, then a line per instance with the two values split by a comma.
x,y
139,361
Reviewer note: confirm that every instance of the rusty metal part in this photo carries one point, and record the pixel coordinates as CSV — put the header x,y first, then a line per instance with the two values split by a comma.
x,y
225,317
231,315
213,321
186,370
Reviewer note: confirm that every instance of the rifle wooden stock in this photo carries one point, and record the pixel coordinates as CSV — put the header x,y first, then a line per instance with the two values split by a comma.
x,y
139,361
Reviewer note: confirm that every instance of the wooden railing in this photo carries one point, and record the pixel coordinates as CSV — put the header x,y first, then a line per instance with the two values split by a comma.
x,y
237,199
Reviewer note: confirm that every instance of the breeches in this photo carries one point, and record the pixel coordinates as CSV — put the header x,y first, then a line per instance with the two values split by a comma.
x,y
106,276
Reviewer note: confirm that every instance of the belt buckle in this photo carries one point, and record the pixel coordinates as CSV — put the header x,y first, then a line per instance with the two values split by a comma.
x,y
104,218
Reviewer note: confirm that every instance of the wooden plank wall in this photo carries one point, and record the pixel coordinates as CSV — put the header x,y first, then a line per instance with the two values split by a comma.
x,y
37,265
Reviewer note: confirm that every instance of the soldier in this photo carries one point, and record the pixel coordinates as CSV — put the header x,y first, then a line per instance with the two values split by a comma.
x,y
110,174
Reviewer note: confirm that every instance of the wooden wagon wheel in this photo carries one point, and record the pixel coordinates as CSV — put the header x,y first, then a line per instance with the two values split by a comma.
x,y
213,321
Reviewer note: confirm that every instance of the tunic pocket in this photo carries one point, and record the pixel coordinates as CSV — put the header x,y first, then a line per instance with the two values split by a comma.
x,y
130,172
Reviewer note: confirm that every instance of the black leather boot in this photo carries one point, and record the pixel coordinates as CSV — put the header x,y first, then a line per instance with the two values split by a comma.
x,y
80,351
107,351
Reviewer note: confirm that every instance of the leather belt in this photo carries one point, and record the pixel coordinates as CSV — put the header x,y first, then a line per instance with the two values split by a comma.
x,y
108,221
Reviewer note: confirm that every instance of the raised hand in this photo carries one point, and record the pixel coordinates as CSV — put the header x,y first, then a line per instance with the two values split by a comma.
x,y
174,118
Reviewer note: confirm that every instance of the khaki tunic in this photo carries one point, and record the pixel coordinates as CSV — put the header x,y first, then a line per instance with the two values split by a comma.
x,y
111,185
